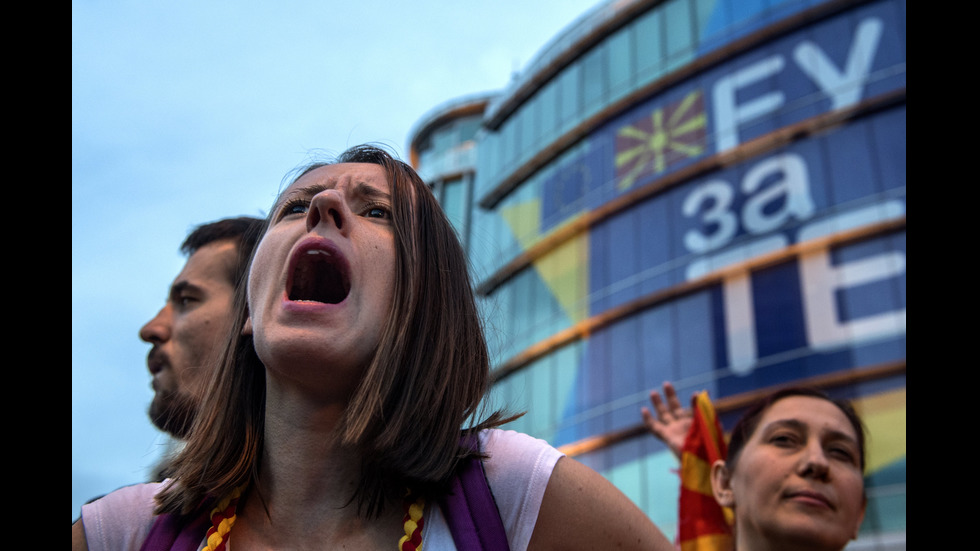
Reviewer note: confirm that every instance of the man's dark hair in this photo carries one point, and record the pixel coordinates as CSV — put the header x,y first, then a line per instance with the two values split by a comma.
x,y
243,230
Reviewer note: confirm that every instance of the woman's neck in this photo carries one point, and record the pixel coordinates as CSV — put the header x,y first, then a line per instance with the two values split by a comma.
x,y
750,540
306,482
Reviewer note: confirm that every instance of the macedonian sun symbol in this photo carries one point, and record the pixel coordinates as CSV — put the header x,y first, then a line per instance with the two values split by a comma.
x,y
665,137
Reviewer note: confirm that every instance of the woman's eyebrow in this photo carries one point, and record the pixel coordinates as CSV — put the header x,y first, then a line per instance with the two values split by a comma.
x,y
837,436
306,191
310,190
371,192
797,425
360,188
794,424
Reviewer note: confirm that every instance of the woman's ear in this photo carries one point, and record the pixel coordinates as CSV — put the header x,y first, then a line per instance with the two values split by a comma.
x,y
247,328
721,484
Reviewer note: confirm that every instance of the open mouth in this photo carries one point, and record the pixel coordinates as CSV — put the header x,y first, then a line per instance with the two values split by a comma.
x,y
319,275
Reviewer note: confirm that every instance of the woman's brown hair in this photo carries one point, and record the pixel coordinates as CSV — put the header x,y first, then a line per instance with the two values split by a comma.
x,y
425,382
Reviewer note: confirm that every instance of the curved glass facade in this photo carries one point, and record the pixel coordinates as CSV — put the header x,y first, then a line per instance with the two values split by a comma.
x,y
707,192
443,151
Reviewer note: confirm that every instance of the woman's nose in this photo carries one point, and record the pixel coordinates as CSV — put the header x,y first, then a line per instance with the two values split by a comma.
x,y
157,330
814,462
329,207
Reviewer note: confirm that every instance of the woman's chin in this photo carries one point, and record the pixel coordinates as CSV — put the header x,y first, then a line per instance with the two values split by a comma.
x,y
800,530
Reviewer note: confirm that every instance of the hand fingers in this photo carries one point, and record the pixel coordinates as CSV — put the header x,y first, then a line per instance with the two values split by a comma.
x,y
652,423
647,416
658,405
657,401
673,403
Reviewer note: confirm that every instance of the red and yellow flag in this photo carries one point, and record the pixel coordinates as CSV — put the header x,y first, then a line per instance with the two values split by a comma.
x,y
703,525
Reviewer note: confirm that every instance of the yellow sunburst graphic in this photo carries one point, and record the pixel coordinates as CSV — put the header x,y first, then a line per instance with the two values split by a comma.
x,y
653,143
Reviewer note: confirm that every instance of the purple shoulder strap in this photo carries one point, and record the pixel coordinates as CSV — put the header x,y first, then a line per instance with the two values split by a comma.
x,y
176,533
471,512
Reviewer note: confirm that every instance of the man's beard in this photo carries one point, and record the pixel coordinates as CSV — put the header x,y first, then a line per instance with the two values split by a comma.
x,y
173,413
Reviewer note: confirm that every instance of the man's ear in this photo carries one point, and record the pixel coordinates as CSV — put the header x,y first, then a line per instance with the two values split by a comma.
x,y
247,328
721,484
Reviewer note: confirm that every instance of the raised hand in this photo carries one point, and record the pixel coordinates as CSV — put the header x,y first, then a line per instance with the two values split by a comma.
x,y
671,422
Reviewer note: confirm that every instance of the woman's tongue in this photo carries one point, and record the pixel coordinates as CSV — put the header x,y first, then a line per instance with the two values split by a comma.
x,y
317,278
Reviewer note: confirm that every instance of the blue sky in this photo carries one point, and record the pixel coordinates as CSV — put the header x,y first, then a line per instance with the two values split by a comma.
x,y
185,112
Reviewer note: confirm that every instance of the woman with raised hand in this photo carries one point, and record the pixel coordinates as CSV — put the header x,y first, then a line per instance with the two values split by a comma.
x,y
346,411
793,474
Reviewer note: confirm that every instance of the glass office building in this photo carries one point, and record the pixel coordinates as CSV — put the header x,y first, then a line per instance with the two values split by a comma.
x,y
710,192
443,150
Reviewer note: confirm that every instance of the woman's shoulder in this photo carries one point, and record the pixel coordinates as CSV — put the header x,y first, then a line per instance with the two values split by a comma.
x,y
540,496
120,519
510,450
517,462
518,468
